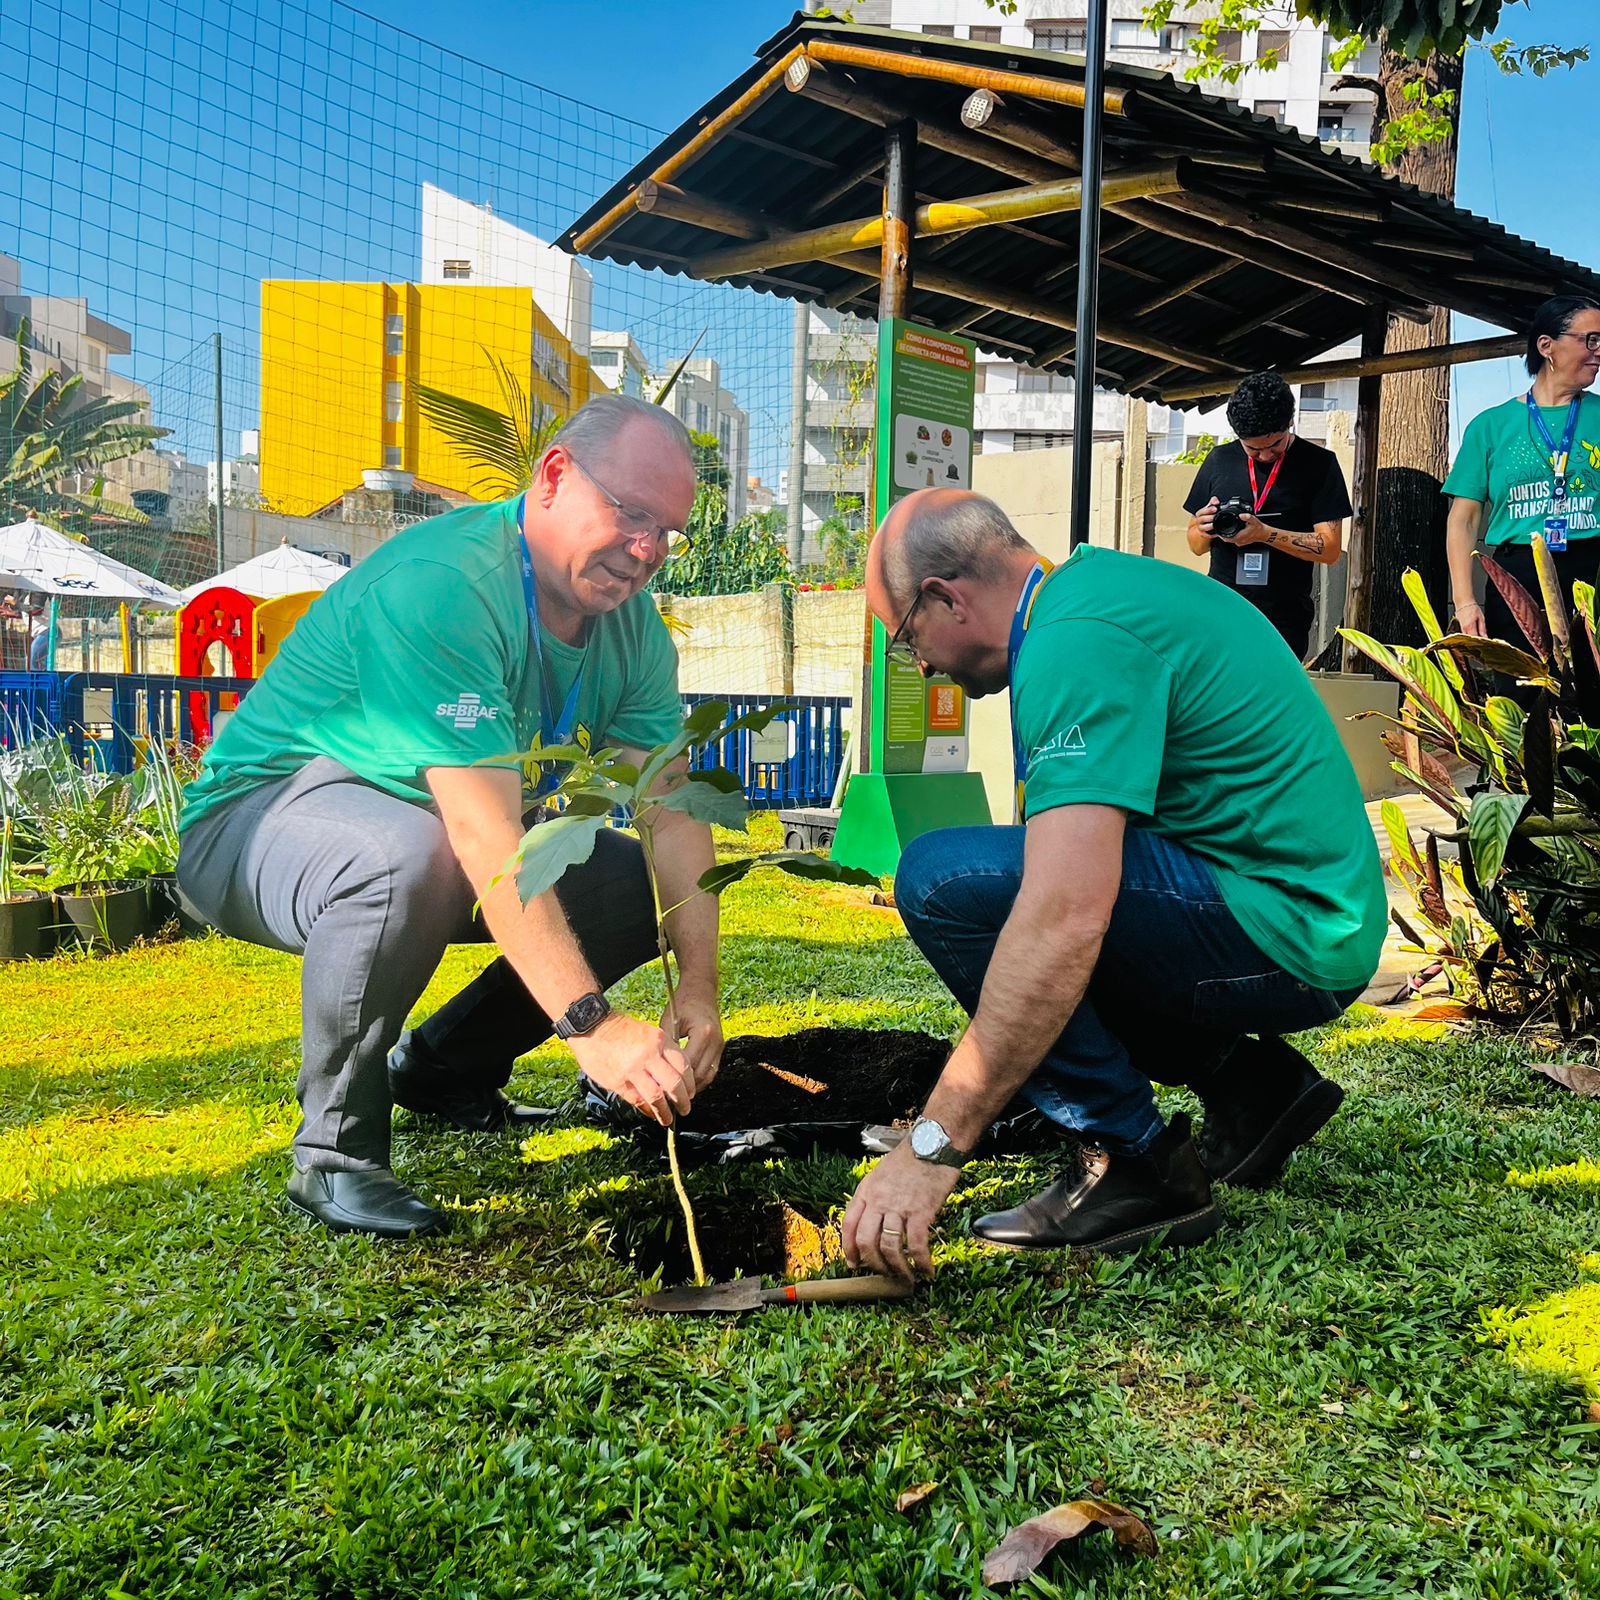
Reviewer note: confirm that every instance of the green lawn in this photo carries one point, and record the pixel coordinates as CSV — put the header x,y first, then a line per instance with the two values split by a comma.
x,y
1371,1383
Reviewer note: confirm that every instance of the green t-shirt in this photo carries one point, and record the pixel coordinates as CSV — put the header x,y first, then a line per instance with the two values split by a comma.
x,y
422,657
1144,685
1504,463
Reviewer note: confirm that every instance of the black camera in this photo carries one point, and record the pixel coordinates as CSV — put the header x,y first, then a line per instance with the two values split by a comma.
x,y
1228,523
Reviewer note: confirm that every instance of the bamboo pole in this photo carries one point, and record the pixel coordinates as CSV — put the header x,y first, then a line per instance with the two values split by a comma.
x,y
1443,355
1198,281
883,109
674,164
933,220
1018,303
1238,219
127,638
668,200
984,111
896,226
1287,264
1030,85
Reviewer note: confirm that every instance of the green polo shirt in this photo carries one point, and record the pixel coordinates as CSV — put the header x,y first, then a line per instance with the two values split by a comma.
x,y
1505,465
422,657
1143,685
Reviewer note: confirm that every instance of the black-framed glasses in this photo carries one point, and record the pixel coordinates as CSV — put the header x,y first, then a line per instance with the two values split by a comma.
x,y
899,648
1591,341
636,523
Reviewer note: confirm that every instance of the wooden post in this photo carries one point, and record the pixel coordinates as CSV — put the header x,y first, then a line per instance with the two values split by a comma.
x,y
899,205
1086,329
1369,395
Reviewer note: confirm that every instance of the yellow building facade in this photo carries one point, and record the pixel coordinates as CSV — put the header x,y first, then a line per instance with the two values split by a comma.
x,y
340,364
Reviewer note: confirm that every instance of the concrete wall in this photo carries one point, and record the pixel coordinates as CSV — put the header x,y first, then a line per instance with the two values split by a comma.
x,y
734,643
829,635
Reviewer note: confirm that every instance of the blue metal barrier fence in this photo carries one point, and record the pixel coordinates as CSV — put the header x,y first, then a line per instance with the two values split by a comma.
x,y
104,715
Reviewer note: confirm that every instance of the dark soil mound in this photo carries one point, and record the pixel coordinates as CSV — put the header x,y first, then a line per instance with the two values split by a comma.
x,y
819,1075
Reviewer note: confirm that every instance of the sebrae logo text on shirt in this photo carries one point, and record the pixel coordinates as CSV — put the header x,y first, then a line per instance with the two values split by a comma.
x,y
467,710
1060,745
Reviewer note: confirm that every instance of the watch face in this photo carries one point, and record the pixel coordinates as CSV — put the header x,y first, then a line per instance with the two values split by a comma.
x,y
928,1139
585,1012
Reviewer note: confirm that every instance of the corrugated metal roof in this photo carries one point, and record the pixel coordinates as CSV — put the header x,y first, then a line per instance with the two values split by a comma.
x,y
1363,240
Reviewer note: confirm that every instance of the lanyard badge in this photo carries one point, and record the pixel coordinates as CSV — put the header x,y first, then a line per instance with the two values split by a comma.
x,y
552,729
1555,524
1251,567
1020,618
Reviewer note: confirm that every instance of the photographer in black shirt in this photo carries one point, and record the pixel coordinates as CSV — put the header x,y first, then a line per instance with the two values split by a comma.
x,y
1269,507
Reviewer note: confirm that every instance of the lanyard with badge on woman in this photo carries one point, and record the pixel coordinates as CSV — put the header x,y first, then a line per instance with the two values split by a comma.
x,y
1555,523
553,730
1250,565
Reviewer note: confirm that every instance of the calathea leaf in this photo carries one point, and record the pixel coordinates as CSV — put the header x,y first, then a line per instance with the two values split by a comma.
x,y
1489,826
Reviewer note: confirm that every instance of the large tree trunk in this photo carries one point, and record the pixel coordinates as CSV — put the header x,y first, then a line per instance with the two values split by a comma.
x,y
1414,417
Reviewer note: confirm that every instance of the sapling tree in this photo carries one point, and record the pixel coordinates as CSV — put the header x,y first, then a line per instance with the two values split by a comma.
x,y
597,786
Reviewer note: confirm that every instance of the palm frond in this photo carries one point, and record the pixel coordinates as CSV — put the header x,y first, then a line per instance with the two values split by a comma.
x,y
677,372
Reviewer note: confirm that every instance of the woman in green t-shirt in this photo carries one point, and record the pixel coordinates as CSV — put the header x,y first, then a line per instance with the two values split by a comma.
x,y
1533,465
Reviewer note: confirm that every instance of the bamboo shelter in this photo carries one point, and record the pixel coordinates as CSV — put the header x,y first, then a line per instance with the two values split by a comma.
x,y
1229,244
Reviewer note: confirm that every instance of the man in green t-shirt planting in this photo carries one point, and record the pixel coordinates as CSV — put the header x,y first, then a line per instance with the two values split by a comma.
x,y
366,795
1194,867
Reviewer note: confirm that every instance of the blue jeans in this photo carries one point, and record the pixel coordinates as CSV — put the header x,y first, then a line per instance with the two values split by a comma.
x,y
1177,985
38,652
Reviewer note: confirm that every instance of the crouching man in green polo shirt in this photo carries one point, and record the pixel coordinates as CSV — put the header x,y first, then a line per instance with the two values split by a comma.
x,y
346,813
1195,877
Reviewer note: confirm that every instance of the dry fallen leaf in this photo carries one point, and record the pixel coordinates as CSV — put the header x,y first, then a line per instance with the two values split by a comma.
x,y
1593,1413
1571,1075
909,1499
1334,1408
1018,1555
1442,1011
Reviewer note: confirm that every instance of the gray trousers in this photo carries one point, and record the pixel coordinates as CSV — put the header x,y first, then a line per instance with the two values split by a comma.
x,y
366,888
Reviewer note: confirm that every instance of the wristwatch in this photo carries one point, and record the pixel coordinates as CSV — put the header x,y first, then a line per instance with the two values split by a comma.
x,y
930,1143
584,1015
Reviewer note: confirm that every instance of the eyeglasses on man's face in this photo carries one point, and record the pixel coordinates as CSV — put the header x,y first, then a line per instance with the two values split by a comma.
x,y
899,647
638,525
1591,341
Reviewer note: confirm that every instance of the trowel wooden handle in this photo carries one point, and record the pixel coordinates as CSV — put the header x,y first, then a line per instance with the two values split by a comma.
x,y
872,1286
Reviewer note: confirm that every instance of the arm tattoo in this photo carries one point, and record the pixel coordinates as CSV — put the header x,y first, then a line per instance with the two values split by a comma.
x,y
1312,543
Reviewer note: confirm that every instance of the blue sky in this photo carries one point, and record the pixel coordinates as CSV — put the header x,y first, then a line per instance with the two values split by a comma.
x,y
161,157
1527,145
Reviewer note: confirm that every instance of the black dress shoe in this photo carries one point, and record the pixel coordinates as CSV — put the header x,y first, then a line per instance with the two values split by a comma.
x,y
363,1202
1111,1203
434,1091
1262,1104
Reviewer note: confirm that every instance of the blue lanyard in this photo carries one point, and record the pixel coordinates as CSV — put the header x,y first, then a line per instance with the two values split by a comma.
x,y
552,730
1020,618
1558,452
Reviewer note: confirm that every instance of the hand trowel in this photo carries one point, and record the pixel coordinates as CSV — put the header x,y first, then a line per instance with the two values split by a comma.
x,y
747,1294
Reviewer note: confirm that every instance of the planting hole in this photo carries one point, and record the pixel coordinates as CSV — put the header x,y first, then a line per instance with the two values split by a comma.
x,y
740,1236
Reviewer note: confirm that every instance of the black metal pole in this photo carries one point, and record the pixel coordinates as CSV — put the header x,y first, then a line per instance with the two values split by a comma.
x,y
216,354
1094,82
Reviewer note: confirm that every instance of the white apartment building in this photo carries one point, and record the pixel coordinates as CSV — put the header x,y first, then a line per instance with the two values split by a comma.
x,y
704,406
619,363
1017,408
467,243
66,336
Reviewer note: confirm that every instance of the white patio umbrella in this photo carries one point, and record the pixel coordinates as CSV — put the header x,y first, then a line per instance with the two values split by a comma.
x,y
285,570
38,558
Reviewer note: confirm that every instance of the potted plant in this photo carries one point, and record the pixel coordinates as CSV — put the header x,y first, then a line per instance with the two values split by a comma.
x,y
27,916
95,846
